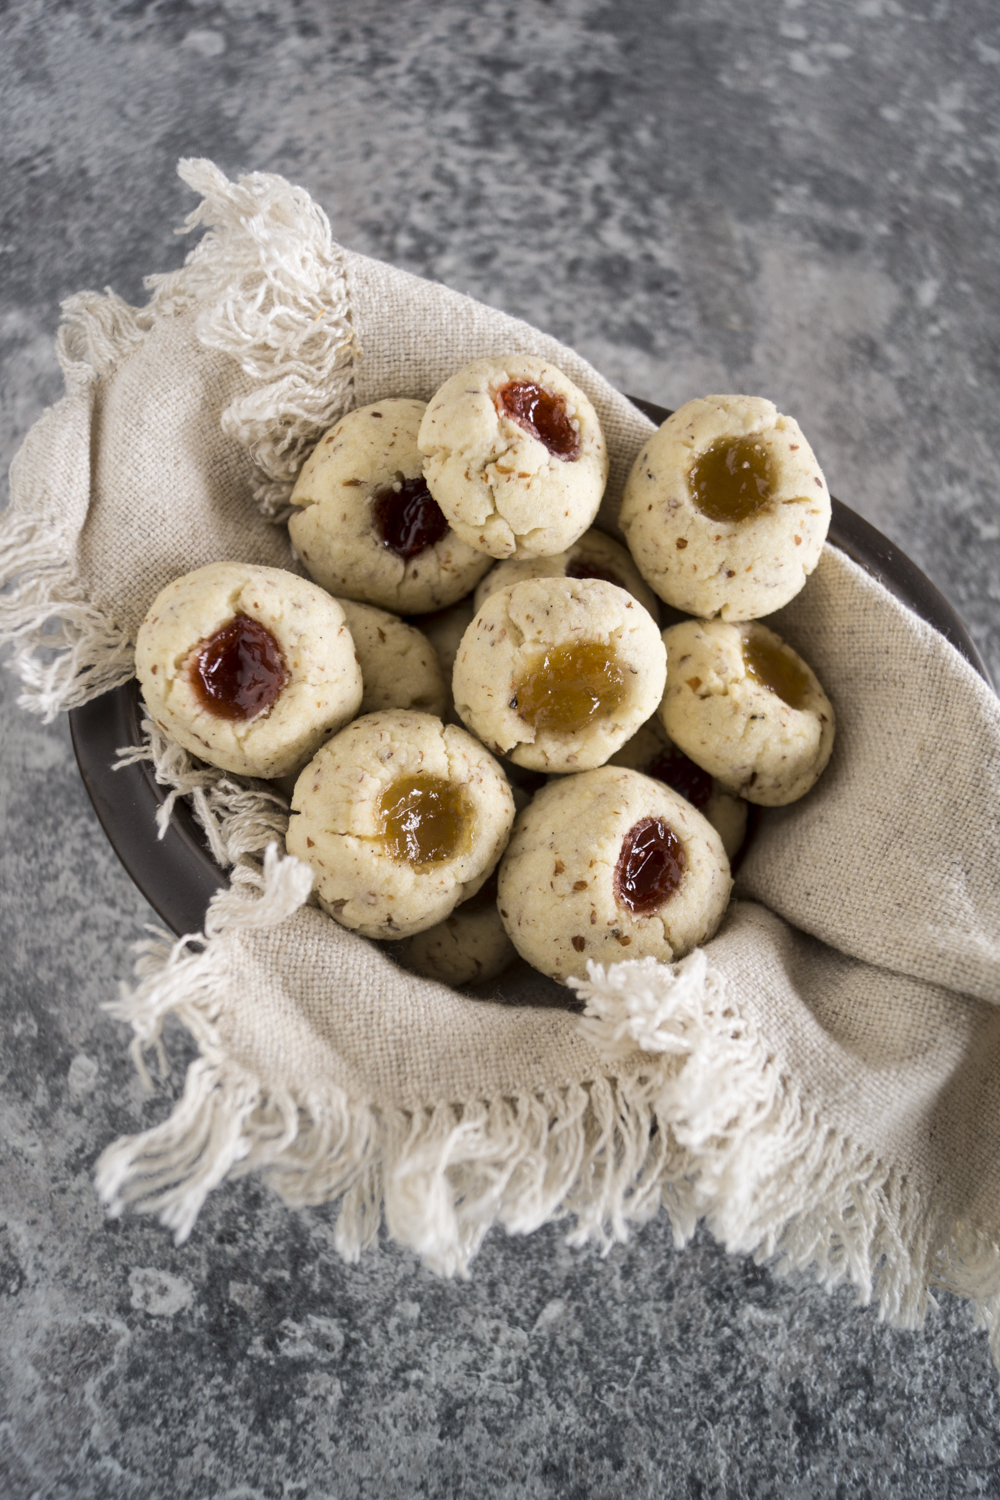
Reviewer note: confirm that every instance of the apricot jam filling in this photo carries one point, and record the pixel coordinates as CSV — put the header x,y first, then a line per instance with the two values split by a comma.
x,y
238,672
733,479
568,687
650,866
773,669
423,819
408,520
543,414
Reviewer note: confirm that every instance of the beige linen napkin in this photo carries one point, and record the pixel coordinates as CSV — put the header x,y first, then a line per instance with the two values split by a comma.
x,y
821,1082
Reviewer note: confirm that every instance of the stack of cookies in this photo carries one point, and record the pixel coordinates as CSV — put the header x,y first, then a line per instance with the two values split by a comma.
x,y
525,765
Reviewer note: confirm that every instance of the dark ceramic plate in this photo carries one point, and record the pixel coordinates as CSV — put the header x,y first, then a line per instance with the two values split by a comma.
x,y
177,874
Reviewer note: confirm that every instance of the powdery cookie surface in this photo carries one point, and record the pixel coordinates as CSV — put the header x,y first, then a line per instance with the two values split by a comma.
x,y
559,885
718,708
358,802
503,490
677,514
549,648
364,475
399,666
322,687
469,947
651,751
592,555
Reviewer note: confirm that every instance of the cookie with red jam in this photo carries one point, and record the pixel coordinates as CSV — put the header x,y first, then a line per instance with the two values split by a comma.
x,y
515,456
610,865
249,668
366,525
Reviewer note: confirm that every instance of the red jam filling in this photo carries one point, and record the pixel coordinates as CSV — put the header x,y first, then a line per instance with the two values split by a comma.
x,y
650,866
672,767
543,414
239,671
408,520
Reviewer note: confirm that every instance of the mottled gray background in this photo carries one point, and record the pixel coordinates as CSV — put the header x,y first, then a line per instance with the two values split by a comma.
x,y
797,199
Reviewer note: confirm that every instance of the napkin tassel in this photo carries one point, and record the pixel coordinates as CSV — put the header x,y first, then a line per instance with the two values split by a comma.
x,y
746,1154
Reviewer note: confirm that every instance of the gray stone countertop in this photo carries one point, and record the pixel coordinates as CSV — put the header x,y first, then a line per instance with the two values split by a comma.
x,y
797,199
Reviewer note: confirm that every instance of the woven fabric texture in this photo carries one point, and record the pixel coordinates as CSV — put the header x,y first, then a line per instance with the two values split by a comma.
x,y
822,1083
